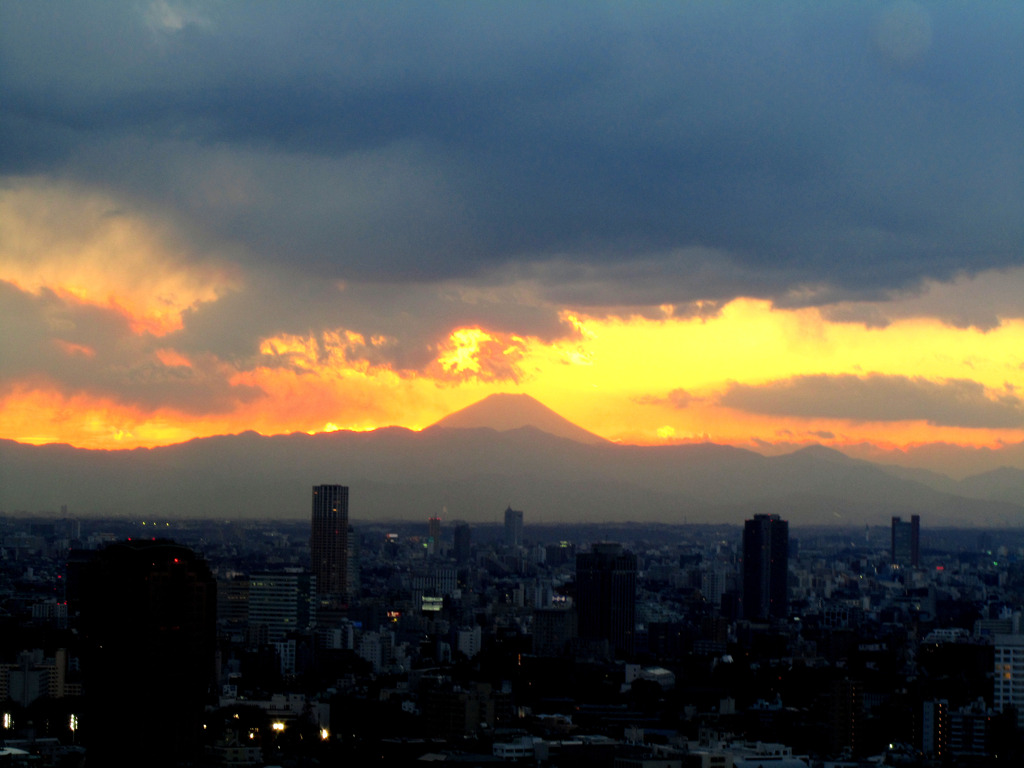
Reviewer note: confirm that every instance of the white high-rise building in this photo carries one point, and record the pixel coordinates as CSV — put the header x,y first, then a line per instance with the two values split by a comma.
x,y
1009,674
282,602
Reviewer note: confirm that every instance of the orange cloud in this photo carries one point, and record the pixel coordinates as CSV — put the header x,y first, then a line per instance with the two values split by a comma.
x,y
40,413
632,379
86,246
173,359
70,348
472,353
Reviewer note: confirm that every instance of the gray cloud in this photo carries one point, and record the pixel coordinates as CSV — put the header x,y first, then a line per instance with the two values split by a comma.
x,y
982,301
677,398
954,402
849,148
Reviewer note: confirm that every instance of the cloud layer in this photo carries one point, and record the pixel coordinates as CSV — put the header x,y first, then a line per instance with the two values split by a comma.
x,y
952,403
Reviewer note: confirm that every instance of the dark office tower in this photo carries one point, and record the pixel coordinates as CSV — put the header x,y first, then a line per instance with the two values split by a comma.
x,y
434,535
352,584
765,567
845,713
906,541
513,527
462,542
328,544
606,596
148,624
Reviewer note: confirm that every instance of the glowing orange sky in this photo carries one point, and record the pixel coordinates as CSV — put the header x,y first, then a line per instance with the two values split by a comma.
x,y
611,376
629,378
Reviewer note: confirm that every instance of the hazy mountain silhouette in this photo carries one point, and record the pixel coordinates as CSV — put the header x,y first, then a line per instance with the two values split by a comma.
x,y
476,472
503,412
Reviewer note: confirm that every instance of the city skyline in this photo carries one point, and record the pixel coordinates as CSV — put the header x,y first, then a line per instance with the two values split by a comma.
x,y
762,227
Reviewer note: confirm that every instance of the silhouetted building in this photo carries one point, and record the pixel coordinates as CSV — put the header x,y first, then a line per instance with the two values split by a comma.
x,y
329,544
148,624
462,542
233,603
845,715
554,629
906,541
765,567
513,527
450,710
434,535
606,596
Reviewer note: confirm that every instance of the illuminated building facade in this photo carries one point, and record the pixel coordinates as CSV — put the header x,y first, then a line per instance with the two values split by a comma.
x,y
1008,687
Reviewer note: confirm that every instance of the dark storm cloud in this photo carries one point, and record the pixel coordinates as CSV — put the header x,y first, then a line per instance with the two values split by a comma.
x,y
953,403
628,154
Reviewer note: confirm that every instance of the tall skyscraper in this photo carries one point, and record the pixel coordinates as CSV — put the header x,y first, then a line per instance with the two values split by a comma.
x,y
434,535
329,545
462,541
606,596
513,527
765,567
906,541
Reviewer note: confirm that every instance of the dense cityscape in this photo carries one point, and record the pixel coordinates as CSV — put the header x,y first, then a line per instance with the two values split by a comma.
x,y
570,384
253,643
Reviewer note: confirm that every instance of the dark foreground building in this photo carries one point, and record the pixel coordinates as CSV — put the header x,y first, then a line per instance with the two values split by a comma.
x,y
148,623
765,567
606,597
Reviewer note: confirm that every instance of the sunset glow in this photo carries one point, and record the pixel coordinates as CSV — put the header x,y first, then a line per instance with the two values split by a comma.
x,y
612,224
635,380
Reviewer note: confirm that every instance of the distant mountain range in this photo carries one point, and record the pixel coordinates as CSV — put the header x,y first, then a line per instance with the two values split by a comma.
x,y
506,450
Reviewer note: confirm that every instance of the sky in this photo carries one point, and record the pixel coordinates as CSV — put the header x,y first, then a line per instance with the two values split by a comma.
x,y
761,224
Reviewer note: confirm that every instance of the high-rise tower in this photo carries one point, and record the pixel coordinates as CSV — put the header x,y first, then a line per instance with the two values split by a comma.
x,y
328,544
906,541
765,567
462,542
434,535
513,527
606,596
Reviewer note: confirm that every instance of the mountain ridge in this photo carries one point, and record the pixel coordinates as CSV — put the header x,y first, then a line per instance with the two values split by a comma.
x,y
477,460
475,473
505,411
